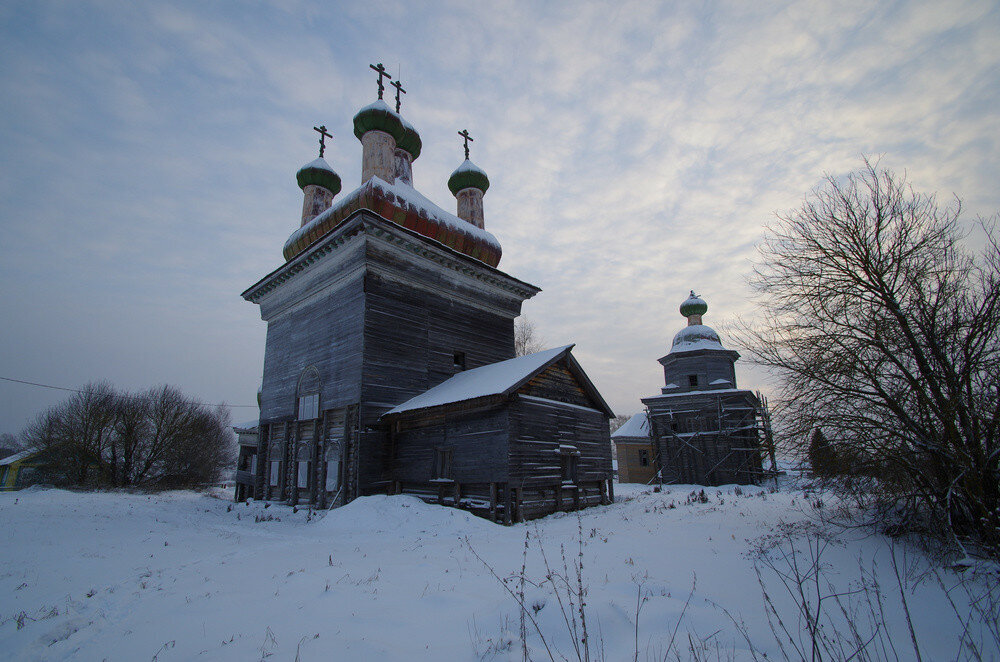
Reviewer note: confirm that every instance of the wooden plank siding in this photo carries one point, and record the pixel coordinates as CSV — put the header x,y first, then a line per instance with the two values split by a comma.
x,y
707,438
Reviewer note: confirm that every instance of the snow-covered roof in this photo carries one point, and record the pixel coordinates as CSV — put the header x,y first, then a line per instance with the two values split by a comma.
x,y
11,459
713,391
637,426
493,379
403,195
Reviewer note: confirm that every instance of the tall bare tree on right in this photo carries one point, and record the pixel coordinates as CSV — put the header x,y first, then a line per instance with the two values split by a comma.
x,y
883,328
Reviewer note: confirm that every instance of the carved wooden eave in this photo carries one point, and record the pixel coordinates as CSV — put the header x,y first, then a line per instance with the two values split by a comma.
x,y
365,222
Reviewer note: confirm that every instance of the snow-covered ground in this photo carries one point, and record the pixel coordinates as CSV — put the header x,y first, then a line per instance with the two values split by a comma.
x,y
186,576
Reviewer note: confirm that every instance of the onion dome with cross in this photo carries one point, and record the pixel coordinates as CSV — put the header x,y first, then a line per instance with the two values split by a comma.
x,y
318,181
468,184
695,335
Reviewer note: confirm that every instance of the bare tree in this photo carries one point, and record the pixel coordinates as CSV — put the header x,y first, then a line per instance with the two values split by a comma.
x,y
883,329
618,421
526,339
158,437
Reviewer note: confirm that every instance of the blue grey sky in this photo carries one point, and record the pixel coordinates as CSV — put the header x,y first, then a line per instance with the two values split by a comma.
x,y
636,150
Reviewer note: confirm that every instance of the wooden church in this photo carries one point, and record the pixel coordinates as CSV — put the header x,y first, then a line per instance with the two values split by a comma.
x,y
702,428
389,363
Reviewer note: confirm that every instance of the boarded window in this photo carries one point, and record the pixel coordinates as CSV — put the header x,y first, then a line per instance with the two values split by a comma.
x,y
568,459
442,463
275,470
303,476
333,476
692,380
643,458
309,407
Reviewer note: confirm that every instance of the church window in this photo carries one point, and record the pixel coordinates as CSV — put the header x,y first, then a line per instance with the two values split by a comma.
x,y
692,380
460,360
309,406
643,458
442,464
303,477
307,393
275,470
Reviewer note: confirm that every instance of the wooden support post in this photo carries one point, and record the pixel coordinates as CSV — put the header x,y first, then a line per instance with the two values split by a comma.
x,y
576,497
457,493
508,506
520,504
493,502
611,490
604,493
559,491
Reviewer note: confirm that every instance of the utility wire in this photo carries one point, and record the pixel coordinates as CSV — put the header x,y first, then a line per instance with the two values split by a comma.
x,y
76,390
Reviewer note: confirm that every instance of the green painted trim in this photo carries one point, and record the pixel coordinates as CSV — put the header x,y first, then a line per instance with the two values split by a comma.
x,y
688,309
318,177
462,179
411,143
378,119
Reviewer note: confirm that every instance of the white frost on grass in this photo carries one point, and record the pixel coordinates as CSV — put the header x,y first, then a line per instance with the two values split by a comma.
x,y
125,576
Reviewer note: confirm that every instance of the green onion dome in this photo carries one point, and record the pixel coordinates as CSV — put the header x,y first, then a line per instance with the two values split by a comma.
x,y
411,142
468,175
694,305
378,116
319,173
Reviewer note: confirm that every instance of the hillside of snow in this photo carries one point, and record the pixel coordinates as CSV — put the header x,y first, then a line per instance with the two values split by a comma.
x,y
188,576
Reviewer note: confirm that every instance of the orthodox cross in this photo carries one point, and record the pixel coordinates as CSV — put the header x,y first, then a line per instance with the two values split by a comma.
x,y
380,70
399,89
323,135
465,134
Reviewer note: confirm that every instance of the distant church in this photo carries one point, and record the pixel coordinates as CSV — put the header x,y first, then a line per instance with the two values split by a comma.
x,y
389,364
701,429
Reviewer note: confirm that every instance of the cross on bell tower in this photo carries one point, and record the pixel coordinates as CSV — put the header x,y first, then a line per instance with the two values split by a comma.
x,y
465,135
399,90
380,70
323,135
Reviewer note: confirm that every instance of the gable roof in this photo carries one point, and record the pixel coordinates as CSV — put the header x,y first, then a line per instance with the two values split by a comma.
x,y
16,457
637,426
498,379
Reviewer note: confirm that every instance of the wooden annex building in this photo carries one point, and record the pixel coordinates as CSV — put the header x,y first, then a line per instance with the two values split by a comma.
x,y
384,303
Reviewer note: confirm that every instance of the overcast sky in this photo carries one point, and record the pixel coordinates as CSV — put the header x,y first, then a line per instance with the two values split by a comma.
x,y
635,149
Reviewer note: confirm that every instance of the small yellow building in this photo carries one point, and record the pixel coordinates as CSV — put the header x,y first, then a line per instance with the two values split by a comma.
x,y
634,450
18,470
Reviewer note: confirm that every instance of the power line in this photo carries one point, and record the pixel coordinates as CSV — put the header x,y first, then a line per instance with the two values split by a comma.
x,y
76,390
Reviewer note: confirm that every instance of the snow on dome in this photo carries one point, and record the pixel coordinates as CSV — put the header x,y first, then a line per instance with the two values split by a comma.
x,y
637,426
410,142
319,173
318,163
695,337
378,116
468,175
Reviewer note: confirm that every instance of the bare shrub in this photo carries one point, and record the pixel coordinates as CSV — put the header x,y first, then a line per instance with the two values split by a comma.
x,y
885,330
